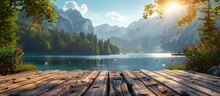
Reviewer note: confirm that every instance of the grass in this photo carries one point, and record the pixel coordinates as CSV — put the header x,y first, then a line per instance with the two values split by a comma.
x,y
26,67
177,67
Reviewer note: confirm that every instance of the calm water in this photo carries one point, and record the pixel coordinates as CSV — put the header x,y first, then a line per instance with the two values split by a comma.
x,y
132,61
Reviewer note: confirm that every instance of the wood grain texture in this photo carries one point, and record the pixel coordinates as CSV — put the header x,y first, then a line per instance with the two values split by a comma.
x,y
28,81
199,76
137,86
191,84
179,88
99,86
79,88
154,86
117,85
193,80
109,83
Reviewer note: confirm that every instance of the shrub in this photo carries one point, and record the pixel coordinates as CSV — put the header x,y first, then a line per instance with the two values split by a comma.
x,y
10,57
201,58
177,67
26,67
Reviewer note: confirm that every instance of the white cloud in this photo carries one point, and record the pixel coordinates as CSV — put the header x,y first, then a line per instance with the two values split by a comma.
x,y
115,16
73,5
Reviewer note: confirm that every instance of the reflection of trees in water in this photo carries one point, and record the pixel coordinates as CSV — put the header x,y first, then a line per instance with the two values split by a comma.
x,y
56,60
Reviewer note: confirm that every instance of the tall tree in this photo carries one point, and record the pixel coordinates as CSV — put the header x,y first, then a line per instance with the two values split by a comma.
x,y
107,47
8,16
209,29
37,9
101,47
96,47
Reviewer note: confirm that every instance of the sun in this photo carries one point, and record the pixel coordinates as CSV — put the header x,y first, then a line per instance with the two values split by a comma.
x,y
173,6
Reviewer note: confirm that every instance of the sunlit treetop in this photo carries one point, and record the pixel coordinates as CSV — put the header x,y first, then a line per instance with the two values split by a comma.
x,y
38,9
193,6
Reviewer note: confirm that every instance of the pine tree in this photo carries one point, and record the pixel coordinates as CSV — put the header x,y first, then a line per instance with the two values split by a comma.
x,y
96,47
208,34
107,48
101,47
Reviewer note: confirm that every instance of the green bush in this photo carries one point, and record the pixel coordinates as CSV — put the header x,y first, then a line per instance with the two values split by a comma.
x,y
10,57
26,67
177,67
201,58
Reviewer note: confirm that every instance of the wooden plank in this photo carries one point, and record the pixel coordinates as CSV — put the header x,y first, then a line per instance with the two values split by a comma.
x,y
137,86
204,84
16,85
82,86
9,78
112,91
53,83
117,85
24,78
157,88
99,86
199,74
20,90
59,90
177,87
202,74
17,75
77,85
190,84
215,82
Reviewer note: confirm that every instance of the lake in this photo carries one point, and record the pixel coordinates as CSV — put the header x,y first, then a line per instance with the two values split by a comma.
x,y
130,61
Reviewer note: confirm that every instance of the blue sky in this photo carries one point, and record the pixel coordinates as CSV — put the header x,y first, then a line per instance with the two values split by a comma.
x,y
113,12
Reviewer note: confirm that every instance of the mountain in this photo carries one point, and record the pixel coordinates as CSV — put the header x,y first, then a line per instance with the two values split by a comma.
x,y
71,21
174,39
152,35
106,31
126,46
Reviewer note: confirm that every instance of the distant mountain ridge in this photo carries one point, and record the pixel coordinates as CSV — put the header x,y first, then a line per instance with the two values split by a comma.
x,y
71,21
152,35
106,31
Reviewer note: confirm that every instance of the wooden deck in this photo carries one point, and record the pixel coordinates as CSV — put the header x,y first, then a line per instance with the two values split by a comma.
x,y
110,83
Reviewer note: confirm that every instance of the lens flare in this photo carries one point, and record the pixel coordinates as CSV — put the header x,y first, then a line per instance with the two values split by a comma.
x,y
173,6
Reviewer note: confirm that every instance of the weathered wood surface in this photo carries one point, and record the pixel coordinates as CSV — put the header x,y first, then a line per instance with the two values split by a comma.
x,y
191,84
154,86
110,83
136,85
99,87
117,85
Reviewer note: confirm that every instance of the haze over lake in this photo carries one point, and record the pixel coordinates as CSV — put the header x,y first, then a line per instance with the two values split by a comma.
x,y
130,61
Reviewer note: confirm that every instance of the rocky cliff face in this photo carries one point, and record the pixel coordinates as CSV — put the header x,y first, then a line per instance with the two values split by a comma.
x,y
71,21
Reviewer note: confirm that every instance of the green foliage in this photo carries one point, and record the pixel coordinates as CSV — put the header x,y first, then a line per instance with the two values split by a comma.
x,y
107,48
10,57
37,9
52,41
209,32
26,67
177,67
8,16
201,58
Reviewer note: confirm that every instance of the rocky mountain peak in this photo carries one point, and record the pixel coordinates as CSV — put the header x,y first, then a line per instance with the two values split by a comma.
x,y
71,21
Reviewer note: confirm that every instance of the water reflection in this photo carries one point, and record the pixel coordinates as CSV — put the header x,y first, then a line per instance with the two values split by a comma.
x,y
105,62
